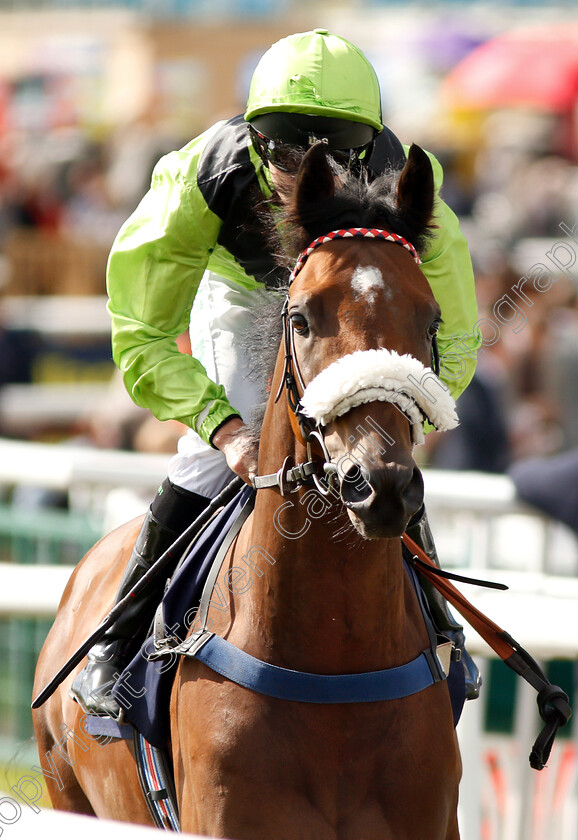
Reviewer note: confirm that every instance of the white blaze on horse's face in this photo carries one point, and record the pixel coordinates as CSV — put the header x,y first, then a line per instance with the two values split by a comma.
x,y
367,282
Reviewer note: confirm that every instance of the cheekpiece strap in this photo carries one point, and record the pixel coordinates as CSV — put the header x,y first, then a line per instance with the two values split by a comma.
x,y
347,233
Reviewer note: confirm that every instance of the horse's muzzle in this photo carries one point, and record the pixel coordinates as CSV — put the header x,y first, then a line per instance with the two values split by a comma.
x,y
380,502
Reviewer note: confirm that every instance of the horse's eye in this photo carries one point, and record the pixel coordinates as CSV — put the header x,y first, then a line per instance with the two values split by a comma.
x,y
433,329
299,323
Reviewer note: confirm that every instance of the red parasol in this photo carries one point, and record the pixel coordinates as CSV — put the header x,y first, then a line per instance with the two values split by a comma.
x,y
535,67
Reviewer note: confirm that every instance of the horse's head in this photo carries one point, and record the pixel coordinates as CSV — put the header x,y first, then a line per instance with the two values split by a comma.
x,y
360,331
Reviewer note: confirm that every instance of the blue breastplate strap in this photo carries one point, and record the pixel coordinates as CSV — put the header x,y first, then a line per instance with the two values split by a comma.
x,y
239,667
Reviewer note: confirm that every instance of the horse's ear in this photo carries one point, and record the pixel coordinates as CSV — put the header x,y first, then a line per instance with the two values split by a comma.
x,y
315,183
415,188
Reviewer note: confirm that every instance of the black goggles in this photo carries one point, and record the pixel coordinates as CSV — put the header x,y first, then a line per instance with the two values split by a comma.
x,y
288,156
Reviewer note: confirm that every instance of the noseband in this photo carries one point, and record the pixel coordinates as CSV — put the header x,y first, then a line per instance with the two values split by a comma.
x,y
307,425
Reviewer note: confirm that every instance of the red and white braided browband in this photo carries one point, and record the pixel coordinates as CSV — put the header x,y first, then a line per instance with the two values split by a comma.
x,y
371,233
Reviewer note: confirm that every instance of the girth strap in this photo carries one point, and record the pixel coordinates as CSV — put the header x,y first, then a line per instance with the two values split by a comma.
x,y
285,684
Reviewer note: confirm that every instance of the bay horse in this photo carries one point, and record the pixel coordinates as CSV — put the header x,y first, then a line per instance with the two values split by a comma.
x,y
326,591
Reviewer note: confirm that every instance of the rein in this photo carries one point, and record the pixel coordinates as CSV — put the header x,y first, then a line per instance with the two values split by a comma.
x,y
306,429
553,702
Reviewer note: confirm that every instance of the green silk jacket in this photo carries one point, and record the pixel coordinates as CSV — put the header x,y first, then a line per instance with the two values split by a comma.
x,y
197,216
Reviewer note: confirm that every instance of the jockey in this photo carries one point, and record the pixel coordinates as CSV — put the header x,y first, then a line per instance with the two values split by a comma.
x,y
192,257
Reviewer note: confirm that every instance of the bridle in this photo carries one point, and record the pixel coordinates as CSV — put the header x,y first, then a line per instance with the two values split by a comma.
x,y
309,432
394,683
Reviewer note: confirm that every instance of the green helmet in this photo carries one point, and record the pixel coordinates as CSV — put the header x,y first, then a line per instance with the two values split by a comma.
x,y
319,74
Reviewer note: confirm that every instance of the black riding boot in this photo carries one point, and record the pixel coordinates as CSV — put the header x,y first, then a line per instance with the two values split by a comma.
x,y
107,658
419,531
172,511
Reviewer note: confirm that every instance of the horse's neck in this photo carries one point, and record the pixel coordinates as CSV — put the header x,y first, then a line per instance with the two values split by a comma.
x,y
321,598
343,596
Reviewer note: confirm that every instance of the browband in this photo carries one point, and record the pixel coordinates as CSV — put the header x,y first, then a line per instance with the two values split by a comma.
x,y
347,233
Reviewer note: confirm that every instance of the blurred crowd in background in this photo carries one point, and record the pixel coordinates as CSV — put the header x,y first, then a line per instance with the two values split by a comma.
x,y
71,171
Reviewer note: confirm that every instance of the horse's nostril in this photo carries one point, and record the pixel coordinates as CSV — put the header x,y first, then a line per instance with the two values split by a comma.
x,y
354,486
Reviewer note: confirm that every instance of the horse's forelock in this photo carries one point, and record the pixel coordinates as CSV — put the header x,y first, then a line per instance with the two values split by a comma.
x,y
357,203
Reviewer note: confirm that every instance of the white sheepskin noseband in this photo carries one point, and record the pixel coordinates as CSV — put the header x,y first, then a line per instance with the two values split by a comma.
x,y
381,375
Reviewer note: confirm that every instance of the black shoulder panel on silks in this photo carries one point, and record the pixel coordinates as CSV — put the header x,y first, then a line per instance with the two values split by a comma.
x,y
228,182
387,153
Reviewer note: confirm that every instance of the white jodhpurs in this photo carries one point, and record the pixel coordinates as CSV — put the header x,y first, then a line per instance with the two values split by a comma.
x,y
222,314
